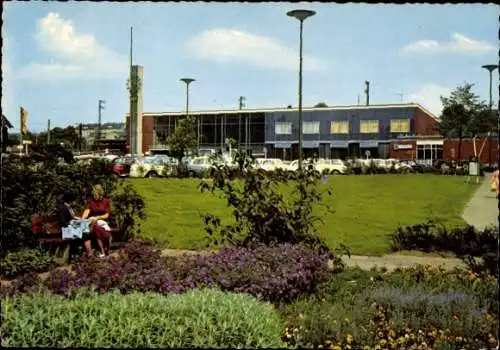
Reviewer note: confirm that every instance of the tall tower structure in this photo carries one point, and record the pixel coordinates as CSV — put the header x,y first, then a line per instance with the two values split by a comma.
x,y
136,99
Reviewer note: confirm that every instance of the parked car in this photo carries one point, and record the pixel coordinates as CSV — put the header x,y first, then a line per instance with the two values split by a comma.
x,y
121,166
294,165
200,166
153,166
332,166
270,164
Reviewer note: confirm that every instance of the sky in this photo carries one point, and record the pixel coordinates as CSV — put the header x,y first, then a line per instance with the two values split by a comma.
x,y
59,59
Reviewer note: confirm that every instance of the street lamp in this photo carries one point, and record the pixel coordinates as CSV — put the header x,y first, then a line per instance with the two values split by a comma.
x,y
188,81
301,15
490,68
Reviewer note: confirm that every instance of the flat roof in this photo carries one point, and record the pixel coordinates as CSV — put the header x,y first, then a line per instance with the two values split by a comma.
x,y
305,109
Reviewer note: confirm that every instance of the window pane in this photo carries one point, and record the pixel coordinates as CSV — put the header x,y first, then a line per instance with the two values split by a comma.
x,y
282,128
339,127
310,127
400,125
368,126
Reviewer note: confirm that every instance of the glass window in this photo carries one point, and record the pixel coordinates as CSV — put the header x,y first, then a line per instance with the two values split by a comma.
x,y
368,126
420,152
283,128
400,125
339,127
310,127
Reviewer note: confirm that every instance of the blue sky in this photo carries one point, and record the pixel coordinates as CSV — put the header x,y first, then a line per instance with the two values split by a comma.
x,y
59,59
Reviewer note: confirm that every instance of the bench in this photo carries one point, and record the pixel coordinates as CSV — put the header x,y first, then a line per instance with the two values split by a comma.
x,y
48,233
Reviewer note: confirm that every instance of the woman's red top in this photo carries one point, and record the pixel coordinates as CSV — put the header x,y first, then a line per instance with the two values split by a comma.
x,y
98,208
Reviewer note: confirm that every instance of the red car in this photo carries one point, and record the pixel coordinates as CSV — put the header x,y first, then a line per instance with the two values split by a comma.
x,y
121,166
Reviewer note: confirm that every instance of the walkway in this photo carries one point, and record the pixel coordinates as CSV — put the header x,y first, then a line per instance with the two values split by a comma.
x,y
482,210
389,261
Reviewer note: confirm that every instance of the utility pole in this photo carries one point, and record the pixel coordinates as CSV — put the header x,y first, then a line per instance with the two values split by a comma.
x,y
48,132
98,133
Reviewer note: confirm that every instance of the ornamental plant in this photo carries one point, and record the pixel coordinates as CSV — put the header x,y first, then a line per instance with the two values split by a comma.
x,y
262,214
200,318
277,274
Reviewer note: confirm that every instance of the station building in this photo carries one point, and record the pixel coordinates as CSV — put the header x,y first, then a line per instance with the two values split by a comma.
x,y
380,131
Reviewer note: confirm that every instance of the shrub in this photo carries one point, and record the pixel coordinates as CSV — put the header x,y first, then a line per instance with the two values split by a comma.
x,y
467,243
28,260
280,273
31,188
431,237
200,318
261,213
270,273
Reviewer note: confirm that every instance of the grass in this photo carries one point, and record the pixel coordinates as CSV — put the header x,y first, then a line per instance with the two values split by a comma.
x,y
366,208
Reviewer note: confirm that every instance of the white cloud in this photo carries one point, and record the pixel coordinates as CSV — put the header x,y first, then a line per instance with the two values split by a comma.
x,y
227,45
459,44
73,55
429,97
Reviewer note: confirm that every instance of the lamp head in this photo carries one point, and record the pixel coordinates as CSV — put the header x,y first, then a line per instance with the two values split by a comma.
x,y
490,67
301,14
187,80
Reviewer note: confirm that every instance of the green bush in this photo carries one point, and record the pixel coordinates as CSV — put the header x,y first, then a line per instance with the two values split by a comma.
x,y
199,318
31,187
25,261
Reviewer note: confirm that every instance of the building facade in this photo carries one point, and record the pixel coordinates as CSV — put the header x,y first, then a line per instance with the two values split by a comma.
x,y
329,132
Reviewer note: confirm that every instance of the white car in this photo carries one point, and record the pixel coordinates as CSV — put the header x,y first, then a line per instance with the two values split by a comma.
x,y
153,166
270,164
294,165
334,166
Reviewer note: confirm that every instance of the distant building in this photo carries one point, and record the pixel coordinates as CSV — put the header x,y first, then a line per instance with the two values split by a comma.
x,y
109,131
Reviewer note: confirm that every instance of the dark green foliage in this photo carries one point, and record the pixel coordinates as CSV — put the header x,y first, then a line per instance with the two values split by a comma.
x,y
200,318
466,242
261,213
24,261
31,187
183,139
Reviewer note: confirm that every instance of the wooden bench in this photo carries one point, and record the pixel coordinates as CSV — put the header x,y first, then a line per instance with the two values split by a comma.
x,y
48,233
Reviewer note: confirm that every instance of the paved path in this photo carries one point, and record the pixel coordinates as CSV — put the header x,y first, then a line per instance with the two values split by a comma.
x,y
482,210
390,261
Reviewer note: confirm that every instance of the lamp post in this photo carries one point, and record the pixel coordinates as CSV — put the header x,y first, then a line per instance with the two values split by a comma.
x,y
301,15
188,81
490,68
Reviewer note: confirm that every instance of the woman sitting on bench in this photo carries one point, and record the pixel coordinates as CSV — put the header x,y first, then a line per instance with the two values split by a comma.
x,y
98,210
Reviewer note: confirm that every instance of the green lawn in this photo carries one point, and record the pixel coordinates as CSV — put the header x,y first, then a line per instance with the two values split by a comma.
x,y
366,208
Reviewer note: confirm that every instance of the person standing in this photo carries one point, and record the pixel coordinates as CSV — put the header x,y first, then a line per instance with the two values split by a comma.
x,y
495,181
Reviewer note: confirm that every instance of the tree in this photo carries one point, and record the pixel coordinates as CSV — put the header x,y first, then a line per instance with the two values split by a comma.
x,y
465,115
183,139
68,136
320,105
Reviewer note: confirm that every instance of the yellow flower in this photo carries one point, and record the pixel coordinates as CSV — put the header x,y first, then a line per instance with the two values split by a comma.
x,y
327,342
459,339
301,316
349,339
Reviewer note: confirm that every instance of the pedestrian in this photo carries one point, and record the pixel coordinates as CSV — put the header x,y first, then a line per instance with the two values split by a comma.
x,y
495,181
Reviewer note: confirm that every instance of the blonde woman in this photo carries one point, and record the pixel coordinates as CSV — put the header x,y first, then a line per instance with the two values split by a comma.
x,y
98,210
